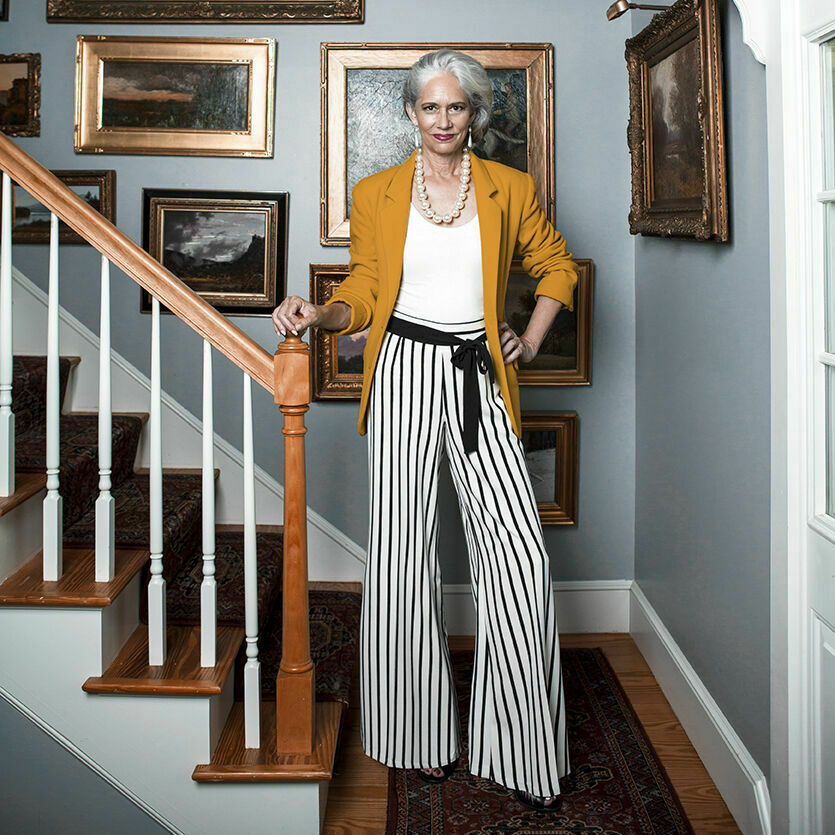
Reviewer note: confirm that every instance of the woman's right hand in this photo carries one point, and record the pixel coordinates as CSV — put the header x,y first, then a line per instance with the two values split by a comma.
x,y
295,314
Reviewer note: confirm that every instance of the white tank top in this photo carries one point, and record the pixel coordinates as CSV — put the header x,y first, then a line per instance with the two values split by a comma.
x,y
442,276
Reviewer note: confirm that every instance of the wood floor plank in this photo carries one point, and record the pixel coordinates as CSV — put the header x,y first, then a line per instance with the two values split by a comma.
x,y
358,793
181,675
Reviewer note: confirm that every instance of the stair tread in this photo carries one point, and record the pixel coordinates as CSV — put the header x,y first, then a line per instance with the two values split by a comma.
x,y
26,486
235,764
76,586
181,675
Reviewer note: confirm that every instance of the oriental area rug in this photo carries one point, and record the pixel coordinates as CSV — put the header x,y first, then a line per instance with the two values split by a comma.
x,y
619,785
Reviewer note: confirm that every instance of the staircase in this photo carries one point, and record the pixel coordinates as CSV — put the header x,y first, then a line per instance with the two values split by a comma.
x,y
78,655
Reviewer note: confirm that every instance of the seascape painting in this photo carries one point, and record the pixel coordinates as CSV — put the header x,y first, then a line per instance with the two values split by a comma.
x,y
175,95
216,251
677,164
14,94
29,214
379,134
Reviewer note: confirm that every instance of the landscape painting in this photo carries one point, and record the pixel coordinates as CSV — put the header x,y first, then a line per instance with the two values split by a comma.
x,y
676,130
175,95
20,94
231,250
337,359
564,357
677,159
188,96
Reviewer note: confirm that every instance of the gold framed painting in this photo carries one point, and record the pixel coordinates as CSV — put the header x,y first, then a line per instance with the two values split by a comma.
x,y
229,247
20,94
552,453
365,129
676,132
337,360
185,96
31,219
564,357
206,11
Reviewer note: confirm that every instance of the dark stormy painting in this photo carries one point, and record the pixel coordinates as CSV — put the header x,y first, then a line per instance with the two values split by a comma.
x,y
175,95
216,251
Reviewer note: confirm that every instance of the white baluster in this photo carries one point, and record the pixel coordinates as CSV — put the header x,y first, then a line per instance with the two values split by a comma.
x,y
156,587
208,589
53,528
7,448
252,668
105,504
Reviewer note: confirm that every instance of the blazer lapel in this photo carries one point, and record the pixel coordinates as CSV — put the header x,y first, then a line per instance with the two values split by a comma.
x,y
395,220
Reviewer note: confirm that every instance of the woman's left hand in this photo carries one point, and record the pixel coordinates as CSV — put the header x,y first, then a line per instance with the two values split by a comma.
x,y
515,347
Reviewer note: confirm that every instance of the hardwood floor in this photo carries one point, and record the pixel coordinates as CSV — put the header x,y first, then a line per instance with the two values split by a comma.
x,y
357,796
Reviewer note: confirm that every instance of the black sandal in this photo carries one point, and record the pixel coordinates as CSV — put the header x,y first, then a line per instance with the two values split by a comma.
x,y
538,803
447,769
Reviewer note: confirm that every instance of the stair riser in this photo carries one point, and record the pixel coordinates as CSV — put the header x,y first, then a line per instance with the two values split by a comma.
x,y
21,534
149,745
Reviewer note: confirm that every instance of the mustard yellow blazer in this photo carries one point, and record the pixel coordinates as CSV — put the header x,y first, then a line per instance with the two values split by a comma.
x,y
509,217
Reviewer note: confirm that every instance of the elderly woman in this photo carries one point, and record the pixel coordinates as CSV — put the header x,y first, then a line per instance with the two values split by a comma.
x,y
431,246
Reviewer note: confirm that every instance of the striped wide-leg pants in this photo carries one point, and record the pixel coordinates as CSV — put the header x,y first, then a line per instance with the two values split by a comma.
x,y
409,716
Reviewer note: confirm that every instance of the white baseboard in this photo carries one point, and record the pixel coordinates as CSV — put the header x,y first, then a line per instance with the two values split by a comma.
x,y
732,768
331,554
582,606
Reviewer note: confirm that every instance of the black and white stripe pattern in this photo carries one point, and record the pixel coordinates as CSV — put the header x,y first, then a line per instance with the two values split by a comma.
x,y
409,717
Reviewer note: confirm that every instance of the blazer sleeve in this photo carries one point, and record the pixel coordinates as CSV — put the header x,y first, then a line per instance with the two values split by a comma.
x,y
359,289
544,253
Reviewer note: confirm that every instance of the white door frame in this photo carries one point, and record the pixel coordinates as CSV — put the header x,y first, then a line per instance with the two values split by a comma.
x,y
780,34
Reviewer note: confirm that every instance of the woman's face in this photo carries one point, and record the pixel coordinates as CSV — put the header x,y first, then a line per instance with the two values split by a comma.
x,y
443,115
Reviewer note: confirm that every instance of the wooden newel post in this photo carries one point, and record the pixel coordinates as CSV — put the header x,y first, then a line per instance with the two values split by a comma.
x,y
295,685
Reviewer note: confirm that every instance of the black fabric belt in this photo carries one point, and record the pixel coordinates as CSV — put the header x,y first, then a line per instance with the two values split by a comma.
x,y
471,354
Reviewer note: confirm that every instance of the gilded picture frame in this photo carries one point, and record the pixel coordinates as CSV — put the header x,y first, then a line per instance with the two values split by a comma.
x,y
229,247
361,86
183,96
31,220
205,11
20,80
564,357
552,454
337,360
676,132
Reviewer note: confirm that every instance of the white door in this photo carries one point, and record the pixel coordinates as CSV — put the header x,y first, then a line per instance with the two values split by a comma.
x,y
817,623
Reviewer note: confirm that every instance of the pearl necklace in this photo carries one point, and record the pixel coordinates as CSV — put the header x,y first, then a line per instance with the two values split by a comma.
x,y
463,189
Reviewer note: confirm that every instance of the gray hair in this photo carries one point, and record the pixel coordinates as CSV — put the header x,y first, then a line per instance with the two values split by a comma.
x,y
470,74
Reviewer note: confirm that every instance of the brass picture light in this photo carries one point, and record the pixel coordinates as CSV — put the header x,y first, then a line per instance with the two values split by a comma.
x,y
621,6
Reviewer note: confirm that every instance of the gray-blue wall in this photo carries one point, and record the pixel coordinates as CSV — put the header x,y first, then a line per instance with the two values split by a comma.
x,y
45,789
592,176
702,399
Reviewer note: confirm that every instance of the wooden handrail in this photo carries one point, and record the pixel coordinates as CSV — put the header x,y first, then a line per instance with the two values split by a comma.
x,y
134,261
